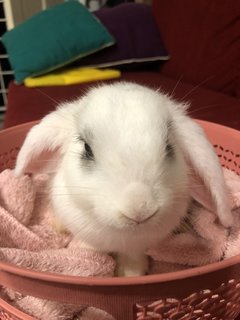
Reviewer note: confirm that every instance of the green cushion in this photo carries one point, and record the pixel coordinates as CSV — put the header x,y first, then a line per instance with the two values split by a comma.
x,y
54,38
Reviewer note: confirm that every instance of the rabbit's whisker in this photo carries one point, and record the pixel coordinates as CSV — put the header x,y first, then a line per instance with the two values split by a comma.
x,y
210,107
197,86
176,85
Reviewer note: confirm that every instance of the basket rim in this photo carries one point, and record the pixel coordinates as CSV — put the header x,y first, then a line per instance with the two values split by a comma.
x,y
21,125
229,130
121,281
6,307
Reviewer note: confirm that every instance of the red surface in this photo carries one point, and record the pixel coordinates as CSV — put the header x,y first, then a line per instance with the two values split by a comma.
x,y
202,38
26,104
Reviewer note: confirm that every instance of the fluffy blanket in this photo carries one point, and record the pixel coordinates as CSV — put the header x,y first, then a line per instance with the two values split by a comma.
x,y
29,239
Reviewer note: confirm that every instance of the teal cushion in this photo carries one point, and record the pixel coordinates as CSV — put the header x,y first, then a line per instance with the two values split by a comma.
x,y
54,38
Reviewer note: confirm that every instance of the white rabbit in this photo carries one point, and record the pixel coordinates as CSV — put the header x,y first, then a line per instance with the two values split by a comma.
x,y
123,155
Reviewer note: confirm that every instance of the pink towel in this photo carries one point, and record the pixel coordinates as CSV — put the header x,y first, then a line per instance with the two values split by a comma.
x,y
201,239
28,239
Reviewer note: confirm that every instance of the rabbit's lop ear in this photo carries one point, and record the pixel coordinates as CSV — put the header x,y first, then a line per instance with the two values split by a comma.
x,y
204,162
46,142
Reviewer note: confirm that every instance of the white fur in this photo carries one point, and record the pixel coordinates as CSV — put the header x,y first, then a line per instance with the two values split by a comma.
x,y
132,195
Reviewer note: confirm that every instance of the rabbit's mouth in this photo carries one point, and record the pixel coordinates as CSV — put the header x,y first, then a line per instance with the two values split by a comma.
x,y
138,218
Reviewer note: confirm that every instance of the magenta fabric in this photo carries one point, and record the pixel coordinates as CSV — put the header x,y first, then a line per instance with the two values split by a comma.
x,y
136,33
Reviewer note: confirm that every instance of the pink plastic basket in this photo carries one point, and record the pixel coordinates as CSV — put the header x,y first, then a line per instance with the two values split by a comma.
x,y
209,292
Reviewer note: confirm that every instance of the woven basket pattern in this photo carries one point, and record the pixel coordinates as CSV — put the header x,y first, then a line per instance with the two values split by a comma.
x,y
228,158
6,316
222,303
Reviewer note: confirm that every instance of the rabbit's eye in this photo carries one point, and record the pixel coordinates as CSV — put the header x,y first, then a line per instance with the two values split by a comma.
x,y
170,150
88,152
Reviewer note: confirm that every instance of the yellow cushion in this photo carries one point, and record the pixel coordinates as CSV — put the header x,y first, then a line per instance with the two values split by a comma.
x,y
71,76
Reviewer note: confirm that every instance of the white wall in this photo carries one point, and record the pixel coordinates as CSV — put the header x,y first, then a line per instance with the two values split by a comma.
x,y
17,11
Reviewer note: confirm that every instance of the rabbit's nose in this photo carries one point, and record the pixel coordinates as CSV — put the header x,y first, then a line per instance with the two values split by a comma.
x,y
139,203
